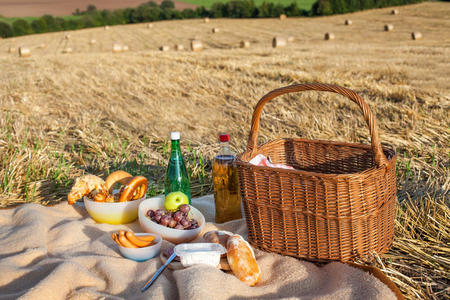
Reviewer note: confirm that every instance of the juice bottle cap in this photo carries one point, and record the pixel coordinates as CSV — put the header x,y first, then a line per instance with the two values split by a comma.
x,y
175,135
224,138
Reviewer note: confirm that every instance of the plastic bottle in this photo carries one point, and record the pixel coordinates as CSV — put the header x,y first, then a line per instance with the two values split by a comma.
x,y
226,183
176,176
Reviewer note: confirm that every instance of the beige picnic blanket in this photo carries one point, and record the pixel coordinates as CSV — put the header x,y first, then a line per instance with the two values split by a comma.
x,y
59,252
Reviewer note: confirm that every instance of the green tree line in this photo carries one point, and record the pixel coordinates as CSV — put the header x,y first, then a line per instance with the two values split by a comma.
x,y
150,11
331,7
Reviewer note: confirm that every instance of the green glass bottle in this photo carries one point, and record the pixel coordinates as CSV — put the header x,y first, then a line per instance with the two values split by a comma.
x,y
176,178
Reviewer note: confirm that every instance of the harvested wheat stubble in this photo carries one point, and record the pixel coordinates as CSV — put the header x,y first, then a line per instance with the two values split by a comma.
x,y
179,47
24,52
196,45
245,44
12,50
416,121
92,42
290,39
164,48
416,35
125,48
394,12
117,48
215,30
67,50
283,17
329,36
206,20
348,22
388,27
278,42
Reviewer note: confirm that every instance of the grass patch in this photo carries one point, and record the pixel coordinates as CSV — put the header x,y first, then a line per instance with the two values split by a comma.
x,y
11,20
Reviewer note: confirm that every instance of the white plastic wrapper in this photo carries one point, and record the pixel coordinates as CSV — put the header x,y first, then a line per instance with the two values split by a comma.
x,y
261,160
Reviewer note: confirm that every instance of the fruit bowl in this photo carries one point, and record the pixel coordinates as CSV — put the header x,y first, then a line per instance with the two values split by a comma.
x,y
144,253
172,235
113,212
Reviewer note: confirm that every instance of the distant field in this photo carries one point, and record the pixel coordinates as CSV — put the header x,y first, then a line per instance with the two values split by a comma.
x,y
304,4
24,8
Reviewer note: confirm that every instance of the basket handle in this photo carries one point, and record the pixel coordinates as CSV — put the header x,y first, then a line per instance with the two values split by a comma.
x,y
380,158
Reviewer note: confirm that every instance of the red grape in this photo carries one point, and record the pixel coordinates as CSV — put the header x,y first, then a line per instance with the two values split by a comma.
x,y
185,208
178,216
185,222
150,213
160,211
158,218
172,223
165,220
179,226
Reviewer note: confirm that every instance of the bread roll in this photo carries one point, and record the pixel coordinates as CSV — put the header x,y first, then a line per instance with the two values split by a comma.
x,y
218,237
242,261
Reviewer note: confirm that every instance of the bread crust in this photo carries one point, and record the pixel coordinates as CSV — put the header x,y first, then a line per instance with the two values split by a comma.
x,y
242,261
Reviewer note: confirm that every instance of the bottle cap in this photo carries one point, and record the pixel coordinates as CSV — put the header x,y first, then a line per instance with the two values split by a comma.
x,y
175,135
224,138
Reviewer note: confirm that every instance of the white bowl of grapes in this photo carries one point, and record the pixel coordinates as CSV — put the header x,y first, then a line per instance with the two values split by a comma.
x,y
176,226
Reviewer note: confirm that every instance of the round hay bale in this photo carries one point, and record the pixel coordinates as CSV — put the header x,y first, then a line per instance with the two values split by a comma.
x,y
125,48
283,17
416,35
92,42
290,39
196,45
394,12
164,48
24,52
388,27
12,50
278,42
348,22
215,30
106,27
245,44
67,50
149,25
206,20
179,47
117,48
329,36
41,46
67,37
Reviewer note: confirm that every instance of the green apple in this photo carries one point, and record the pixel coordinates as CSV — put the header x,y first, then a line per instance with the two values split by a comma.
x,y
174,200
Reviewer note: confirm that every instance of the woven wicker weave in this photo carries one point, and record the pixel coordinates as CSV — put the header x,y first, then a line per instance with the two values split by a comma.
x,y
338,203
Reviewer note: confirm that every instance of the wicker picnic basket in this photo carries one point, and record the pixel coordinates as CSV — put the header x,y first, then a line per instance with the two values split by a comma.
x,y
337,204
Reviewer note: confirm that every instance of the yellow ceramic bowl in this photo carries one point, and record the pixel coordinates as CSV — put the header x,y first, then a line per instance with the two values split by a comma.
x,y
114,212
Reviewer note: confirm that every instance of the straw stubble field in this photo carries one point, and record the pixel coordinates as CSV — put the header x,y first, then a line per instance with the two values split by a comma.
x,y
62,115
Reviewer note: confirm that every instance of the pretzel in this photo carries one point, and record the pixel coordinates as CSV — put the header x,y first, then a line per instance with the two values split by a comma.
x,y
84,186
135,189
117,176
